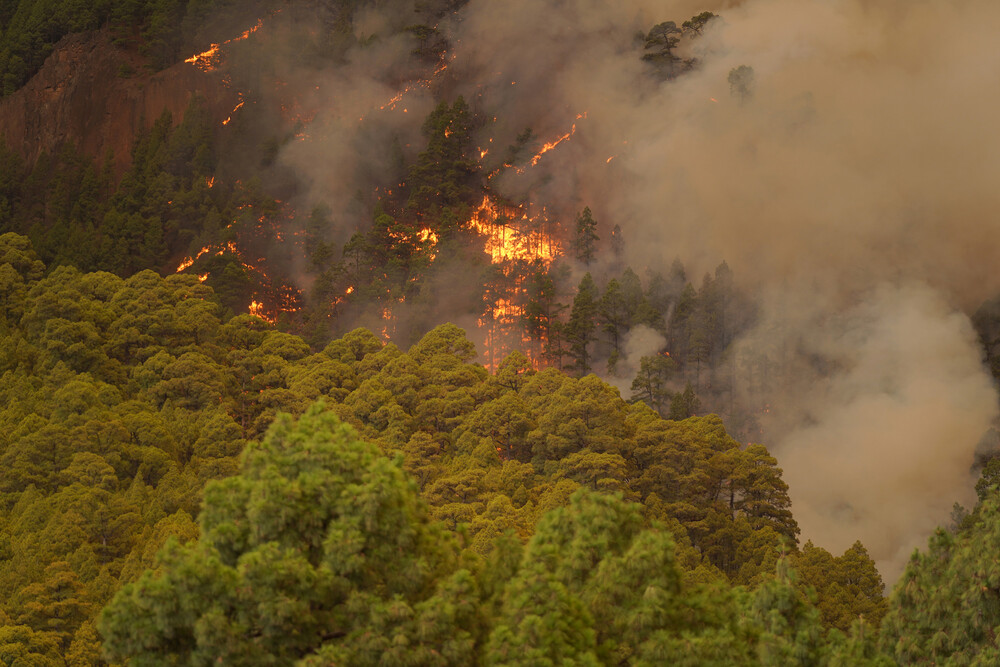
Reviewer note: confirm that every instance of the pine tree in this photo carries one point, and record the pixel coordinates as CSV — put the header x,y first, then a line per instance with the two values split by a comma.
x,y
319,547
650,383
684,404
584,243
582,323
614,317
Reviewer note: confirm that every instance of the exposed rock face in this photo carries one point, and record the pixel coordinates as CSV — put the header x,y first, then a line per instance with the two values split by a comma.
x,y
79,95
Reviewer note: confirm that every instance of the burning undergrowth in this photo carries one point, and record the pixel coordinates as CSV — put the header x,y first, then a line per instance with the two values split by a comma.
x,y
375,250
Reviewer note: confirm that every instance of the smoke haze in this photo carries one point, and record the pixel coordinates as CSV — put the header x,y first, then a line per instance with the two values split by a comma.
x,y
853,192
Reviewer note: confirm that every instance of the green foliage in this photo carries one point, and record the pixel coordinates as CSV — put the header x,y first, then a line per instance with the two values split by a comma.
x,y
848,587
592,586
946,607
443,176
121,398
664,38
316,543
650,383
76,215
788,626
684,404
697,23
582,323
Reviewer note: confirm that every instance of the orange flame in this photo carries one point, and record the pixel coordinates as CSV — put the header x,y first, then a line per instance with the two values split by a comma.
x,y
511,234
512,237
394,101
208,60
425,237
235,109
552,144
188,261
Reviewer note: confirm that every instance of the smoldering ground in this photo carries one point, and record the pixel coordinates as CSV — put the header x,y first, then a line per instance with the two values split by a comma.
x,y
852,189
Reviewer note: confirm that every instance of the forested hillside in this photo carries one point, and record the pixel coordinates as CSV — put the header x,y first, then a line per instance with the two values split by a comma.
x,y
414,334
124,397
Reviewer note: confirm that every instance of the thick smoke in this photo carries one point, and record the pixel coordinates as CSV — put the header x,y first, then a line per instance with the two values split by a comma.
x,y
851,188
876,411
855,189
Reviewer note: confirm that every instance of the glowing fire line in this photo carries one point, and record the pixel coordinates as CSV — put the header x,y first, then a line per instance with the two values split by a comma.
x,y
208,60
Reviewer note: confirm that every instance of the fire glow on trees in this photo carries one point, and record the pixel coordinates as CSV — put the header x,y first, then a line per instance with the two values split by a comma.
x,y
520,239
427,83
239,106
517,241
425,241
211,59
270,297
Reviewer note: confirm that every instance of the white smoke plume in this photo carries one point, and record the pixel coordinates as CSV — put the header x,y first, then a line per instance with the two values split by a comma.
x,y
640,341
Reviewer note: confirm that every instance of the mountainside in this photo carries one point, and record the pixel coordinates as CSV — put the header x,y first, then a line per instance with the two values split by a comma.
x,y
458,332
99,97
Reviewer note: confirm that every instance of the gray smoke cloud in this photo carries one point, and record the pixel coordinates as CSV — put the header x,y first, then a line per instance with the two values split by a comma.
x,y
854,190
876,411
640,341
853,193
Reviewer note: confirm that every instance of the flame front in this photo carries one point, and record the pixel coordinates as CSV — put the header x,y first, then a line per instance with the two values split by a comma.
x,y
517,242
210,59
269,297
512,235
235,109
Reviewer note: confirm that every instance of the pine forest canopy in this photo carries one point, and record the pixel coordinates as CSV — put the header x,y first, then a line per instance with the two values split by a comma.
x,y
508,492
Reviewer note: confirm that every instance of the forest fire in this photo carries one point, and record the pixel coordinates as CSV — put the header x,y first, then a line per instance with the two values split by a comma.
x,y
552,144
210,59
206,60
427,83
257,310
187,262
252,230
512,235
235,109
517,243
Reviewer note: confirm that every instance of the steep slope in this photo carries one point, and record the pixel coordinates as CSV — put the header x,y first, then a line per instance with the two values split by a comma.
x,y
99,97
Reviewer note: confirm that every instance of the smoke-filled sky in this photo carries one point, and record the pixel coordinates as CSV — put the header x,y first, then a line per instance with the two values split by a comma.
x,y
854,193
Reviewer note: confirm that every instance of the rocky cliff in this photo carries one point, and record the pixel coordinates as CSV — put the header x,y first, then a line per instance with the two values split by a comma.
x,y
99,96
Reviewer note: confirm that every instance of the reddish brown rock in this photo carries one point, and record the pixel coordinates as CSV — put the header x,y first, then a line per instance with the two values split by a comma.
x,y
82,95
